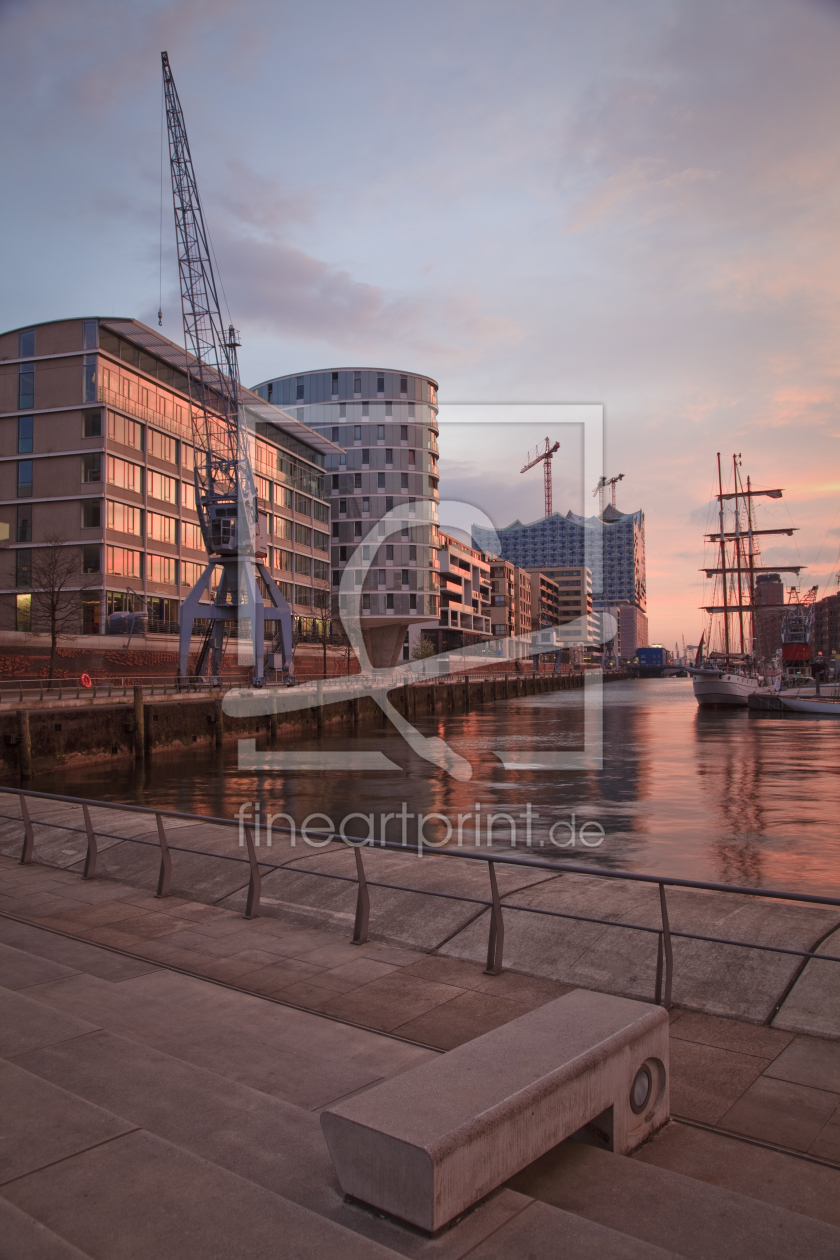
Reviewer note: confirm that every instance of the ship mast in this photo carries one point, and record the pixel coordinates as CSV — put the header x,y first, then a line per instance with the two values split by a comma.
x,y
738,548
751,545
723,561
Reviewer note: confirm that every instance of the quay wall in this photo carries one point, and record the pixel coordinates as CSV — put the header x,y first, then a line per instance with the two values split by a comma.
x,y
41,736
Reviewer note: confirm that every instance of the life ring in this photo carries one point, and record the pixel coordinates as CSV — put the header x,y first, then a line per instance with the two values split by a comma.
x,y
85,680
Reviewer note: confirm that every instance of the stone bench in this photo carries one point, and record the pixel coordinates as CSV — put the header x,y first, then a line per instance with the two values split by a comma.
x,y
428,1144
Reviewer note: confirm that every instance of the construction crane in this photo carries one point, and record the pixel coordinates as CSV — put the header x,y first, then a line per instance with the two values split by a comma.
x,y
225,490
545,455
601,486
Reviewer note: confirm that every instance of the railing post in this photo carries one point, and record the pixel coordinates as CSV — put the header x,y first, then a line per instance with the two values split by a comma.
x,y
252,904
664,955
28,833
165,861
496,940
360,927
92,851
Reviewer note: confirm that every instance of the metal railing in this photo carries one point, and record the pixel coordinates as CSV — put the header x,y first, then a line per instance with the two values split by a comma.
x,y
663,984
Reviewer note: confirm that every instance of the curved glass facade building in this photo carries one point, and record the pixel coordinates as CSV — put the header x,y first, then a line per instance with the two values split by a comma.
x,y
386,423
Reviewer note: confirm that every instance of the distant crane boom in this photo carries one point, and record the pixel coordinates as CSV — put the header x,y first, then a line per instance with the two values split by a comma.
x,y
543,454
603,482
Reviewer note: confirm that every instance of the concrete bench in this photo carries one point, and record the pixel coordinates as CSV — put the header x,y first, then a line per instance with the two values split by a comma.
x,y
428,1144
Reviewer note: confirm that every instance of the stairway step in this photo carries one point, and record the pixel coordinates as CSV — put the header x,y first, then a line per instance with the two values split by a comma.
x,y
666,1209
24,1238
542,1232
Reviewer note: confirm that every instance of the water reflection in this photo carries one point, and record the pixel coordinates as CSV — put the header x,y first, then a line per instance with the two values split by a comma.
x,y
720,795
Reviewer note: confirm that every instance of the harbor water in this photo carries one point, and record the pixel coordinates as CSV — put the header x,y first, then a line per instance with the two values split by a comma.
x,y
723,795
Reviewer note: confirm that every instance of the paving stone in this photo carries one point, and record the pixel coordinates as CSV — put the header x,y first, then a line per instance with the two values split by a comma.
x,y
706,1081
666,1209
809,1061
139,1197
782,1180
24,1238
42,1123
463,975
20,970
730,1034
390,1002
827,1146
307,994
76,954
353,974
27,1025
465,1017
777,1111
541,1232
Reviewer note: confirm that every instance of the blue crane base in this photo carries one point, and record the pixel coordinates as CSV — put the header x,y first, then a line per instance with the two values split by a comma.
x,y
238,598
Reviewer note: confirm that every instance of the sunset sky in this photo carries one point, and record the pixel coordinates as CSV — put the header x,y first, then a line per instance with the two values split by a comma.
x,y
636,205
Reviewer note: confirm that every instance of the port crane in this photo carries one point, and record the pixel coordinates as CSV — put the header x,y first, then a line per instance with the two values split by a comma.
x,y
225,490
543,454
603,482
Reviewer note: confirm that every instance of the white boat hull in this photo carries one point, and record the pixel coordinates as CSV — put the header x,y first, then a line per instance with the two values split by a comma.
x,y
715,689
825,707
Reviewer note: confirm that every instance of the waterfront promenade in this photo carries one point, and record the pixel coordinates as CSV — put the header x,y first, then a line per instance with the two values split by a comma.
x,y
165,1062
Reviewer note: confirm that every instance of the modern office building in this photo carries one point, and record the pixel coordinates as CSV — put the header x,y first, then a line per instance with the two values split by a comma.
x,y
768,615
826,635
385,423
97,460
511,611
612,546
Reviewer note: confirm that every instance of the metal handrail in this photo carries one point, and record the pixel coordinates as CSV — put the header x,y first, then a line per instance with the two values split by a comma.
x,y
495,949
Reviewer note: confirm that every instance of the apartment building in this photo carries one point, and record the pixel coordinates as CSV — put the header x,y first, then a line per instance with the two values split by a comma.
x,y
97,460
545,600
464,597
384,424
511,607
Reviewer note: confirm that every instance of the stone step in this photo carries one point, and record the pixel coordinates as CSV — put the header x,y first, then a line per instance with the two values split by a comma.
x,y
661,1208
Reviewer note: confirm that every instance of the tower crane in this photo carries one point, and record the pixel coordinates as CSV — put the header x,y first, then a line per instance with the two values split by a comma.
x,y
603,482
544,454
225,490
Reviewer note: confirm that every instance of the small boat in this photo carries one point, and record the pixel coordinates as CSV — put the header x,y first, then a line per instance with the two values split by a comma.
x,y
722,687
824,706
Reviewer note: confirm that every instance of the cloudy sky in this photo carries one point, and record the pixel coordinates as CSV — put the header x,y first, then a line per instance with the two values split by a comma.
x,y
637,205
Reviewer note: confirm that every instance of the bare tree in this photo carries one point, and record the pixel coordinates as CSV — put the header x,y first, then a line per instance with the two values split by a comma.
x,y
423,649
323,606
56,600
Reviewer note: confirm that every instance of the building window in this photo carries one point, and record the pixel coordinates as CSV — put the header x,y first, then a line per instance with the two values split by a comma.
x,y
303,595
299,387
123,562
403,432
389,456
91,558
389,551
403,384
303,536
403,481
342,555
411,458
380,433
365,603
389,603
389,409
411,411
365,505
320,570
303,506
389,503
321,541
162,569
92,424
412,603
89,379
23,567
25,433
335,384
270,390
26,342
160,528
365,457
380,481
357,481
357,384
334,432
335,529
380,577
91,513
404,576
26,385
23,613
357,433
24,479
412,553
365,409
342,507
23,524
342,411
380,384
336,577
159,486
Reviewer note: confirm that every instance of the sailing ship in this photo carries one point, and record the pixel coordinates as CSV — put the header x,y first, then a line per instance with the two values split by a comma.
x,y
730,672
